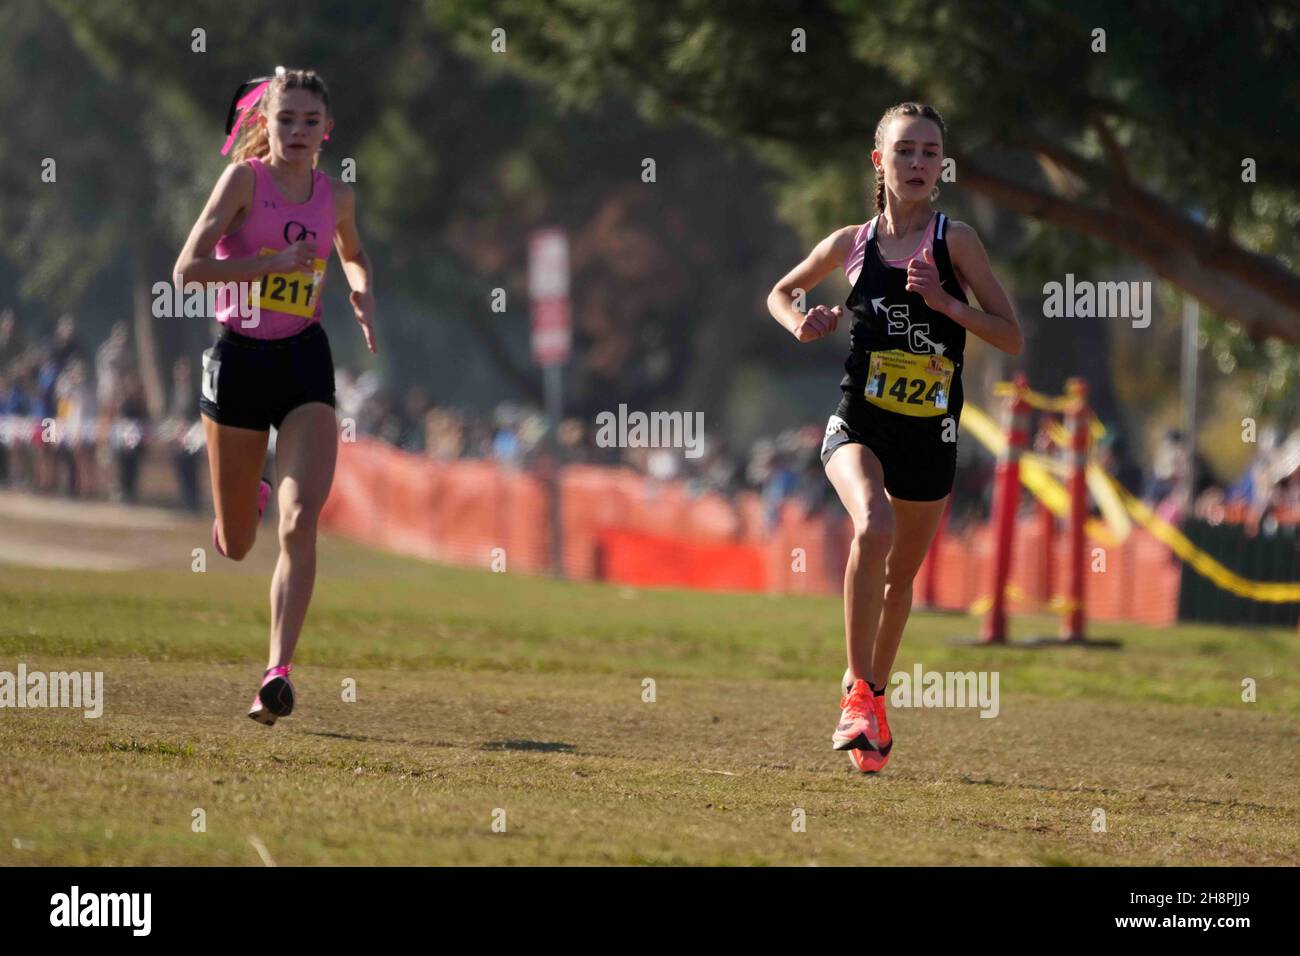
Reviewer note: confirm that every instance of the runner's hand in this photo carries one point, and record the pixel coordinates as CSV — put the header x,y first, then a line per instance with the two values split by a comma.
x,y
923,279
363,304
818,322
298,257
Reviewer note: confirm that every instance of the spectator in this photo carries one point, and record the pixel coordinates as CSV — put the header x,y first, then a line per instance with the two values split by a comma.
x,y
1169,467
66,347
182,413
412,435
75,449
113,361
127,434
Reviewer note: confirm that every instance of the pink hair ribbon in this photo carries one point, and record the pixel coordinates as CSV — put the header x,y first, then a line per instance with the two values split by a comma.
x,y
245,105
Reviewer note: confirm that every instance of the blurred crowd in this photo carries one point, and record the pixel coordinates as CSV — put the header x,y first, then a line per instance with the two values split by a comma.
x,y
779,467
101,427
1265,495
74,421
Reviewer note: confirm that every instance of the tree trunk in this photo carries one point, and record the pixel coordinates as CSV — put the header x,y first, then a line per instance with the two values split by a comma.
x,y
146,339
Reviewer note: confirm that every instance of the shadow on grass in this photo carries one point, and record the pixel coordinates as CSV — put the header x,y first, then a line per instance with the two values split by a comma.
x,y
533,745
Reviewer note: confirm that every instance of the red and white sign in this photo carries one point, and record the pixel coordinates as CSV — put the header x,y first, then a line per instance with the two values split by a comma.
x,y
548,288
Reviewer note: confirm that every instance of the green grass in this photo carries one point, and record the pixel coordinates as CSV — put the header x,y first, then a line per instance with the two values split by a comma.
x,y
480,692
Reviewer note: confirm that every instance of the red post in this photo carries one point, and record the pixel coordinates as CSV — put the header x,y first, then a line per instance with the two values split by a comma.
x,y
1006,502
1078,418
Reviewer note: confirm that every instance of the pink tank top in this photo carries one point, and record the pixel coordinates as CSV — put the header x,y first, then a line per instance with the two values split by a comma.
x,y
289,302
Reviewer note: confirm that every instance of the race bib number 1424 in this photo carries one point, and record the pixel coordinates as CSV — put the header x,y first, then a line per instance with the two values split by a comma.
x,y
909,384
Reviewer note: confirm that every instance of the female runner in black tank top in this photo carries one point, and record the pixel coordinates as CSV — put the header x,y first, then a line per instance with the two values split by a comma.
x,y
891,446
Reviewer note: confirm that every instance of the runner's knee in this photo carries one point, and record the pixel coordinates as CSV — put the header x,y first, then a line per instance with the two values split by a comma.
x,y
873,536
298,523
238,542
898,593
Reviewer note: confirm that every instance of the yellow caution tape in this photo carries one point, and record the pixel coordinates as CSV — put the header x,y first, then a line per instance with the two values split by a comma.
x,y
1103,486
1057,467
983,429
1046,403
1057,605
1279,592
1060,435
1114,501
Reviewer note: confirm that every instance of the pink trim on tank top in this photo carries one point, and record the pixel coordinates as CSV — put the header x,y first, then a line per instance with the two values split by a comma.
x,y
927,239
858,253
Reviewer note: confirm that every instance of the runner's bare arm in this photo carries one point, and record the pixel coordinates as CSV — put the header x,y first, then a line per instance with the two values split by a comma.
x,y
232,194
827,256
356,264
997,323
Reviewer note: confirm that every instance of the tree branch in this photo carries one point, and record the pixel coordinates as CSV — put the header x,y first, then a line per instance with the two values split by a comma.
x,y
1225,293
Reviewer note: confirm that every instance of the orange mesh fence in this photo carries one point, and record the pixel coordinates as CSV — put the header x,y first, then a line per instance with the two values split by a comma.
x,y
452,511
1136,581
650,560
622,526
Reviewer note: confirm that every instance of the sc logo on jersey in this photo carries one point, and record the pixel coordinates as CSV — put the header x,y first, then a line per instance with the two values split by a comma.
x,y
899,322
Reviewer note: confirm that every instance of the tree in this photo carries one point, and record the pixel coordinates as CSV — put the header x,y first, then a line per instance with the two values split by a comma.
x,y
1126,136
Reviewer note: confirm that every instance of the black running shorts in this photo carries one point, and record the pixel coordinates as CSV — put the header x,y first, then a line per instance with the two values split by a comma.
x,y
255,383
915,454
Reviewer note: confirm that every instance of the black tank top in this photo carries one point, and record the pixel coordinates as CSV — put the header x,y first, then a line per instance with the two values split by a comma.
x,y
888,317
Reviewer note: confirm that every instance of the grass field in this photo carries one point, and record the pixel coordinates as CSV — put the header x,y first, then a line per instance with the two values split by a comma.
x,y
480,692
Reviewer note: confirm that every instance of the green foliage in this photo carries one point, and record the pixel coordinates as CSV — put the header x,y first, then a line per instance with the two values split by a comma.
x,y
462,151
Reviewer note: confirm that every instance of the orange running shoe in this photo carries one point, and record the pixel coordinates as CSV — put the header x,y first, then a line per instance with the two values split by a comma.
x,y
857,727
868,761
886,738
874,760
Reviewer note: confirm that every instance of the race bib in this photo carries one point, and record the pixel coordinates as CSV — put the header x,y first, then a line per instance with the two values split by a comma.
x,y
292,292
909,384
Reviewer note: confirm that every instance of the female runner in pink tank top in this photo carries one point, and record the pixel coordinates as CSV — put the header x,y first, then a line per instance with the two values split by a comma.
x,y
891,447
271,220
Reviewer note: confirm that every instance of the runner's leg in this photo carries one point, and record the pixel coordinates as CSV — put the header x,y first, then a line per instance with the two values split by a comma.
x,y
235,459
306,448
915,523
857,476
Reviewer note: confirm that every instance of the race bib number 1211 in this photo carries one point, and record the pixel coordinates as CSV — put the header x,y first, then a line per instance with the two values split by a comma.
x,y
293,292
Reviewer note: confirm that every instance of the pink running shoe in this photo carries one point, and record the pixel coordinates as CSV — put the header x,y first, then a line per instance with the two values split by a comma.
x,y
274,698
263,496
857,728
